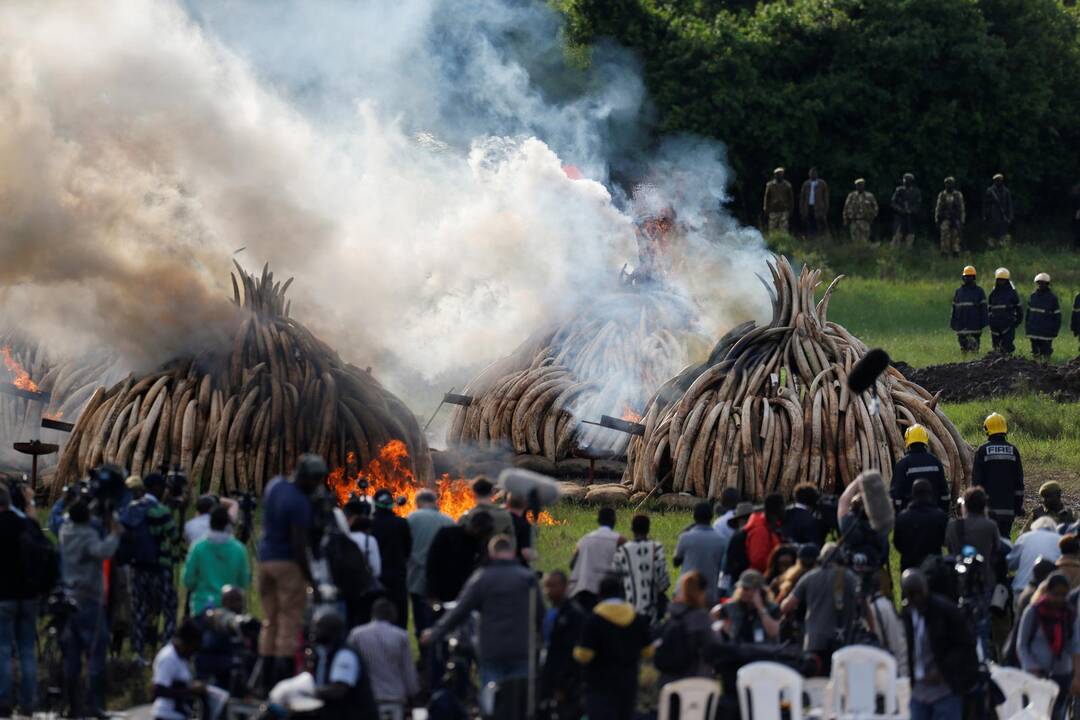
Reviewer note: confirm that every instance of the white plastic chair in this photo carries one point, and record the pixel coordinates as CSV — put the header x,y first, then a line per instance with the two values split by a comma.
x,y
762,686
1024,693
859,674
696,699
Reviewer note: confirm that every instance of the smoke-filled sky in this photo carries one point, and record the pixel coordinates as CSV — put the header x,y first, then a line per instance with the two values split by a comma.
x,y
403,159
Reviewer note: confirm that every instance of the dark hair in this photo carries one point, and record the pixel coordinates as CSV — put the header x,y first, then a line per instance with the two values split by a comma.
x,y
729,498
774,506
975,500
482,487
774,558
561,574
611,586
1069,545
501,544
356,507
922,489
806,494
1057,578
383,609
703,513
1042,570
640,525
154,482
515,502
79,512
219,518
189,634
204,504
481,522
606,517
362,523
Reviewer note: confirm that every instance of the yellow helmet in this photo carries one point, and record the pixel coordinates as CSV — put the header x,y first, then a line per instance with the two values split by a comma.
x,y
916,434
1001,273
969,271
995,424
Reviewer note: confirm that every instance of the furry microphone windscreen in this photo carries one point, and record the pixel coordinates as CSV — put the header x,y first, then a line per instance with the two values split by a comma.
x,y
866,371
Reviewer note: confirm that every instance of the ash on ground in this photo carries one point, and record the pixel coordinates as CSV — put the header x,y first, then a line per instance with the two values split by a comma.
x,y
996,375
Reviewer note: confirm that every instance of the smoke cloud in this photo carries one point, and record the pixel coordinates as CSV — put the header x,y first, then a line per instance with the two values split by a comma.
x,y
405,160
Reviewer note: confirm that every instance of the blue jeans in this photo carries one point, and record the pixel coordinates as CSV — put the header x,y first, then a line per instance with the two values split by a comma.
x,y
18,635
950,707
496,671
86,633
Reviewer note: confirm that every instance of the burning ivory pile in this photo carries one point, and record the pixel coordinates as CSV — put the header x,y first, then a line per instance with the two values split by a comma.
x,y
771,408
233,420
607,360
34,385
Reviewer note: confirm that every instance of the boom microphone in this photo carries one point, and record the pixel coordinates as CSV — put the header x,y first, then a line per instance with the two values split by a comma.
x,y
876,501
535,488
866,371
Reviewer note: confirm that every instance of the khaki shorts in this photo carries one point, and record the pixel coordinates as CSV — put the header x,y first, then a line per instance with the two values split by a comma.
x,y
283,591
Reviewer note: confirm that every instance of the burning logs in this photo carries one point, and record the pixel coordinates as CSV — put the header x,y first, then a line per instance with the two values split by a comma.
x,y
232,420
771,408
606,360
34,386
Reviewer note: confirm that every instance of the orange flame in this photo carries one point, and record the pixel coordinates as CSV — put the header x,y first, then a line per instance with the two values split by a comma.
x,y
20,378
631,415
390,470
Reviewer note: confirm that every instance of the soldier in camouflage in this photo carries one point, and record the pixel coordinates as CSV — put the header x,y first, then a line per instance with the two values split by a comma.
x,y
906,204
860,211
779,202
949,214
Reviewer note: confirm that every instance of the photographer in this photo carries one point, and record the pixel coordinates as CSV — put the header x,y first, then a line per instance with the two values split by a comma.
x,y
87,630
801,523
395,547
174,689
284,572
217,560
920,529
18,609
1047,640
229,643
750,616
828,595
151,546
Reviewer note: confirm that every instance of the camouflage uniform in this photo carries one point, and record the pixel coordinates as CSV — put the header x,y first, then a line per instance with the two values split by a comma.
x,y
906,203
779,202
860,210
950,215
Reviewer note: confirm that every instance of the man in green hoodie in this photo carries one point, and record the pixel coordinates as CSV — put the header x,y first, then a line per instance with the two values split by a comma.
x,y
217,560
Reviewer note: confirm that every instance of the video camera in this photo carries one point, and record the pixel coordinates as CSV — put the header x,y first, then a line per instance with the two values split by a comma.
x,y
176,484
105,488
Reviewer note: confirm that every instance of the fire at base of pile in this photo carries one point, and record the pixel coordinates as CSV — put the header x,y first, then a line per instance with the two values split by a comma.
x,y
771,408
607,360
62,386
232,420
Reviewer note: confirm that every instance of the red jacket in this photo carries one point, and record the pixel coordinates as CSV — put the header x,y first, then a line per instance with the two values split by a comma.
x,y
761,540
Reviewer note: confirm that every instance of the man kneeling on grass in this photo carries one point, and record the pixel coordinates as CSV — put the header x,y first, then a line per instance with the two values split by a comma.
x,y
613,640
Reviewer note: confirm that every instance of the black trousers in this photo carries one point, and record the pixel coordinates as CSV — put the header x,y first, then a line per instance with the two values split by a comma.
x,y
969,342
1004,341
1042,348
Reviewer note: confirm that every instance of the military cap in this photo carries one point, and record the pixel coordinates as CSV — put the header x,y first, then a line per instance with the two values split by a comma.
x,y
860,181
950,179
909,176
778,170
998,176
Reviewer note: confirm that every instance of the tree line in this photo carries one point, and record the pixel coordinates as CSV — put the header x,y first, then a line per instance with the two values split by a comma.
x,y
863,88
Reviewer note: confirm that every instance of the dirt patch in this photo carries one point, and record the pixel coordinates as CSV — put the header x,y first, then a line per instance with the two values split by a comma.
x,y
997,375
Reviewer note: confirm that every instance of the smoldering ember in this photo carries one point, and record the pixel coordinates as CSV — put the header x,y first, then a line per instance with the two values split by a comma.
x,y
539,360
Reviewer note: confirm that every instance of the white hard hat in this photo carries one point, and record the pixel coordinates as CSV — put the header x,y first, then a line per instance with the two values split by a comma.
x,y
1042,277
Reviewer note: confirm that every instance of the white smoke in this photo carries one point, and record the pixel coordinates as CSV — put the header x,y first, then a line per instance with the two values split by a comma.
x,y
403,159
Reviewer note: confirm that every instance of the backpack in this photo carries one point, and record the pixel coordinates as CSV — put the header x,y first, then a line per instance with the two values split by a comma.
x,y
40,560
138,546
349,568
678,651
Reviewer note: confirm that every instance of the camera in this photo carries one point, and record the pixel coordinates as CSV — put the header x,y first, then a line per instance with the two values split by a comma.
x,y
176,483
105,488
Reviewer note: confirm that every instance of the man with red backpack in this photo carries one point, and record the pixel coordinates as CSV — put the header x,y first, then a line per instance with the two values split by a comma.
x,y
763,532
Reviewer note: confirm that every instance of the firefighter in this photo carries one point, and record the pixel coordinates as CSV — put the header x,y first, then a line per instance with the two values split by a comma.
x,y
968,312
1043,318
1051,505
1006,312
918,463
997,470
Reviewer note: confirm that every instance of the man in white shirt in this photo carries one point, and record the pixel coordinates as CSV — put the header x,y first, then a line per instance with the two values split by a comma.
x,y
593,558
198,527
174,689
